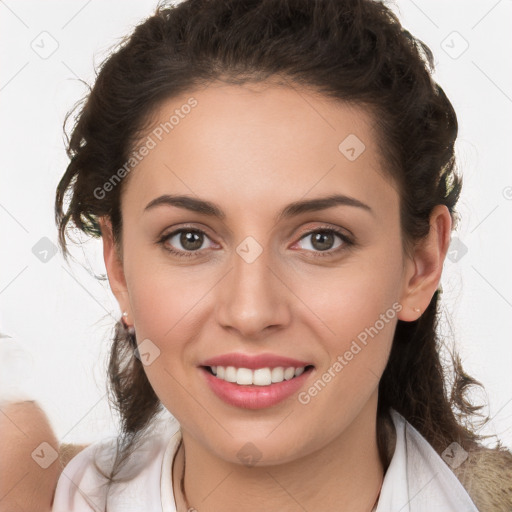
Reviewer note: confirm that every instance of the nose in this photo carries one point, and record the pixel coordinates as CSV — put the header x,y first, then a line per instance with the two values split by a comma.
x,y
253,298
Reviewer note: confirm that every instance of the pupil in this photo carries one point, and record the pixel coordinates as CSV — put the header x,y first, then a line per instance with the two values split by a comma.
x,y
320,237
188,238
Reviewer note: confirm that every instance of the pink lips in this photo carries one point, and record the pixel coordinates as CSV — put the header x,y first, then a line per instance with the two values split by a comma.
x,y
255,397
239,360
252,396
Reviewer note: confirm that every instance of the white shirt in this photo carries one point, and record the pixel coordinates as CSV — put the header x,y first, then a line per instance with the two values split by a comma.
x,y
417,479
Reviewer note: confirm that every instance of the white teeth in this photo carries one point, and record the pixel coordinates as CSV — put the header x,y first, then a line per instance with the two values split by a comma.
x,y
244,376
278,374
261,377
230,374
289,373
258,377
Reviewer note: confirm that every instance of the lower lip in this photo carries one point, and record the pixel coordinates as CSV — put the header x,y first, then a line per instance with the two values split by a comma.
x,y
254,397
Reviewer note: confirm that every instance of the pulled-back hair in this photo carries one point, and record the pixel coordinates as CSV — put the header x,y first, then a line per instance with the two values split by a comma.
x,y
353,51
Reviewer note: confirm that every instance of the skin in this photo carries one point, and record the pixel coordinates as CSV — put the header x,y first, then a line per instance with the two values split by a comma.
x,y
252,150
24,485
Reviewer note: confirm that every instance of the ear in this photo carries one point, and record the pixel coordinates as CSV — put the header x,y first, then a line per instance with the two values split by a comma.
x,y
114,266
423,269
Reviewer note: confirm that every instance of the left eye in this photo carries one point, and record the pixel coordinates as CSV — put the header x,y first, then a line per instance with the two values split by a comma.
x,y
322,240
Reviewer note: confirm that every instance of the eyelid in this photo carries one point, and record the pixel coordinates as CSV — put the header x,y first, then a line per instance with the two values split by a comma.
x,y
183,227
327,227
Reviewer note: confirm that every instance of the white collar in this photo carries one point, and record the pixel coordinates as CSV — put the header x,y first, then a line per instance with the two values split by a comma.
x,y
417,479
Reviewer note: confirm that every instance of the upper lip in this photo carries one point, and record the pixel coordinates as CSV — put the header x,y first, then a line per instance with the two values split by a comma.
x,y
252,362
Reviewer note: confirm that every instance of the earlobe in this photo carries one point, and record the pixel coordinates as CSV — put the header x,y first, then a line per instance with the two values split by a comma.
x,y
423,272
114,265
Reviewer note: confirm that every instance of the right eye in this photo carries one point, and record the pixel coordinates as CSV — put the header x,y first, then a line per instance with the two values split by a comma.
x,y
191,240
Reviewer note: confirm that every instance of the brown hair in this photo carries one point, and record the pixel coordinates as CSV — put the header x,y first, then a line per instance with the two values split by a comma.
x,y
350,50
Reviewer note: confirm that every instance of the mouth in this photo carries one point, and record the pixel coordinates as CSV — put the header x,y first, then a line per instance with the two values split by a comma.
x,y
246,388
265,376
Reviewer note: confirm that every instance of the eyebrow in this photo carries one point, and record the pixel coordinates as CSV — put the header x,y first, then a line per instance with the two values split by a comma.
x,y
293,209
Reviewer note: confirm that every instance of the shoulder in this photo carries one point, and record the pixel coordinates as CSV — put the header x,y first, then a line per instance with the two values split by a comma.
x,y
483,474
81,487
486,474
84,483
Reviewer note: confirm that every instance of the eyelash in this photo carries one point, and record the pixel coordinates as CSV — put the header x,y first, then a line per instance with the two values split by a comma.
x,y
347,242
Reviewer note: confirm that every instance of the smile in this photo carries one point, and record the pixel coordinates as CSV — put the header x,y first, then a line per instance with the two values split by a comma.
x,y
255,389
258,377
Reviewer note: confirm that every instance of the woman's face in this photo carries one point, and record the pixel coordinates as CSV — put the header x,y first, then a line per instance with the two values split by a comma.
x,y
259,281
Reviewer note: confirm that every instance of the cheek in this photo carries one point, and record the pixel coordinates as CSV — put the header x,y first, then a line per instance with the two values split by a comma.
x,y
355,308
161,297
163,309
358,313
166,303
349,299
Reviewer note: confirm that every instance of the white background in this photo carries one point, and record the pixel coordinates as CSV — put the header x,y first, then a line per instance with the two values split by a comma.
x,y
64,317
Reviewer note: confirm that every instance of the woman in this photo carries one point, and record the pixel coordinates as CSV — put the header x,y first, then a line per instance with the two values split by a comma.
x,y
274,183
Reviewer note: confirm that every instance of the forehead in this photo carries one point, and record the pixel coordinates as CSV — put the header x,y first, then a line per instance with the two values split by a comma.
x,y
258,145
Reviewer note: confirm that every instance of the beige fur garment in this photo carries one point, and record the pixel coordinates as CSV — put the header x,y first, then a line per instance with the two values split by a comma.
x,y
487,477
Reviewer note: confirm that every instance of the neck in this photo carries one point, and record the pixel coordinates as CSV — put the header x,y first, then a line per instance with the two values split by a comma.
x,y
345,474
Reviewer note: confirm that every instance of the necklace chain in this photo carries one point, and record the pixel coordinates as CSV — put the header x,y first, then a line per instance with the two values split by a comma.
x,y
192,509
